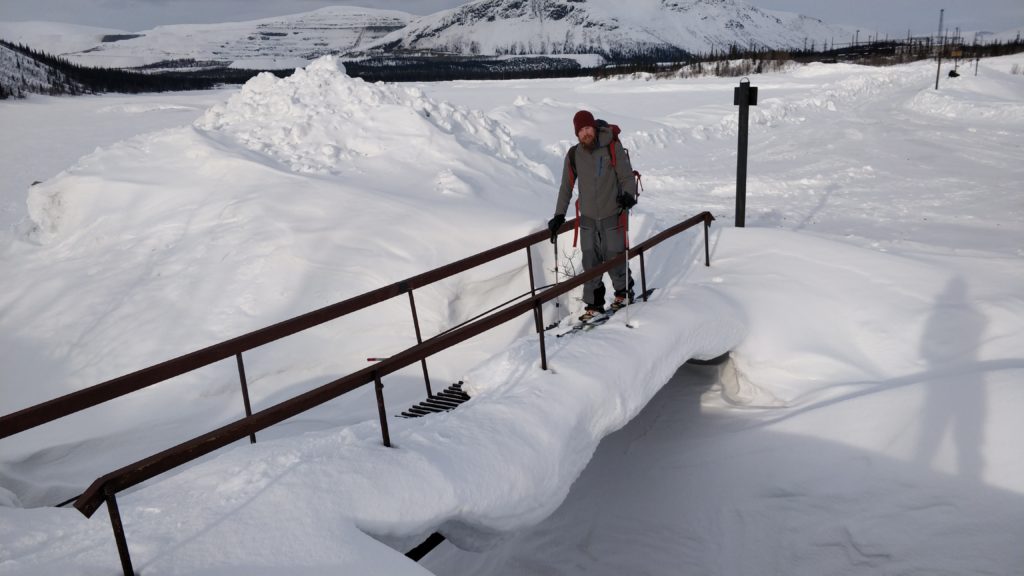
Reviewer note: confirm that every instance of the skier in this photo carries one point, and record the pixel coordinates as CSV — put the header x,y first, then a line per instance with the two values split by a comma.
x,y
606,193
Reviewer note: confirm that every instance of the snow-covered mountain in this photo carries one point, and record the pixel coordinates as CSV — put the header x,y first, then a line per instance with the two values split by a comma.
x,y
612,28
609,27
280,42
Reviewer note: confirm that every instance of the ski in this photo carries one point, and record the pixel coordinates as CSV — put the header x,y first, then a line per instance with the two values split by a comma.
x,y
602,318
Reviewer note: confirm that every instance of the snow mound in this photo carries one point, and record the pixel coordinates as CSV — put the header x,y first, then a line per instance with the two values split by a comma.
x,y
254,206
973,98
319,120
858,84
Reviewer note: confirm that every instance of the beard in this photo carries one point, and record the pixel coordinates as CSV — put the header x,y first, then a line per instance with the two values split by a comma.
x,y
589,141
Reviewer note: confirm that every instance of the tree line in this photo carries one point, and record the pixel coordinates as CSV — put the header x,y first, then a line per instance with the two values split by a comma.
x,y
738,61
729,61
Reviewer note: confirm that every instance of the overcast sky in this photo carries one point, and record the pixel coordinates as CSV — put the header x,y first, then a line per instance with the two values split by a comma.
x,y
892,17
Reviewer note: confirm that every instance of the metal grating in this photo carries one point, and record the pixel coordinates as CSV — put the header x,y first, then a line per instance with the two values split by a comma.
x,y
444,401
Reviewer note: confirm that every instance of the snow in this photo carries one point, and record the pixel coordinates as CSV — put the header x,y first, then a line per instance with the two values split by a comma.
x,y
513,26
865,423
482,27
275,43
55,38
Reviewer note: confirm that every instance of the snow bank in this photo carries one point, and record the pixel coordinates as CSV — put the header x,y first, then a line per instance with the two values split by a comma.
x,y
939,310
319,120
990,98
294,194
855,84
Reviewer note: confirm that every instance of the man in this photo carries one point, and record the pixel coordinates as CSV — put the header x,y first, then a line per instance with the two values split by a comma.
x,y
606,194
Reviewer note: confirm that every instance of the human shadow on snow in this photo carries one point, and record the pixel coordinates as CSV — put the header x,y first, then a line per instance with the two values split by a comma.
x,y
686,488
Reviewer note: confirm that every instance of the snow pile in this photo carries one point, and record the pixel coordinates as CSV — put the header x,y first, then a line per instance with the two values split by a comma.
x,y
989,98
319,119
316,121
857,84
248,216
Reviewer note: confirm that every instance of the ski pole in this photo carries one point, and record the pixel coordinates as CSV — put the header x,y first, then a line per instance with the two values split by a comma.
x,y
557,311
625,240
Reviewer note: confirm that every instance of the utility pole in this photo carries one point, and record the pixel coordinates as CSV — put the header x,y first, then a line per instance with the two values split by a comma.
x,y
942,12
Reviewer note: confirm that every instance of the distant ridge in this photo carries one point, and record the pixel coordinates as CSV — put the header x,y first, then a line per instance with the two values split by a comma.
x,y
613,29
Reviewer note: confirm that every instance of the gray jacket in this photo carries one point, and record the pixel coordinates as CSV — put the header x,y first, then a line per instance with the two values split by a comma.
x,y
599,183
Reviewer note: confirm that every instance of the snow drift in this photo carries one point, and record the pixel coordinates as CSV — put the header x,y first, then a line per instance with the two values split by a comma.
x,y
867,422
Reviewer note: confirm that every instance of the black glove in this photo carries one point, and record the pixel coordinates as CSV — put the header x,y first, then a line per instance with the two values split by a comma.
x,y
626,201
554,224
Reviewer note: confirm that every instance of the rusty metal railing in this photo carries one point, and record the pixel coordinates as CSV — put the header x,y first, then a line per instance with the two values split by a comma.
x,y
105,489
66,405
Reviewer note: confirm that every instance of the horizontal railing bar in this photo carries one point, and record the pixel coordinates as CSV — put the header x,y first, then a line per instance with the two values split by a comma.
x,y
68,404
157,464
669,232
449,339
171,458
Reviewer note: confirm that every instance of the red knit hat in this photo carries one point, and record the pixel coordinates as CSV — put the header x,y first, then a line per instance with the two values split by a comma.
x,y
581,119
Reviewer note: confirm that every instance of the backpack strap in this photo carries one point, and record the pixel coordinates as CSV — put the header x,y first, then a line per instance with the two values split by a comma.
x,y
615,138
611,150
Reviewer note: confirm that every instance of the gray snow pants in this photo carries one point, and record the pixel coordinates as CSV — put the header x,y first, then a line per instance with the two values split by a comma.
x,y
601,241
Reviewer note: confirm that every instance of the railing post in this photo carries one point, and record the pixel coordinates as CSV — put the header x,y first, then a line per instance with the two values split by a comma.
x,y
707,249
245,393
419,340
643,275
538,317
533,286
538,312
115,523
379,386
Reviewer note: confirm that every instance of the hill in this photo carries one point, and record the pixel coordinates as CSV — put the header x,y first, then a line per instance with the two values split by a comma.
x,y
21,74
615,29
